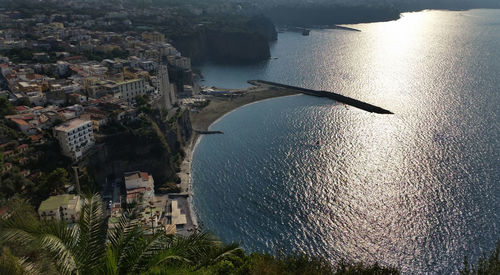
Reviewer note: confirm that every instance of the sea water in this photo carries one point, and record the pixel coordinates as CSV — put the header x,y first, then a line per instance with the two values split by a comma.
x,y
418,190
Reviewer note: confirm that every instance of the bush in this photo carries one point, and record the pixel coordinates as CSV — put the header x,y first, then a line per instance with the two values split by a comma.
x,y
485,265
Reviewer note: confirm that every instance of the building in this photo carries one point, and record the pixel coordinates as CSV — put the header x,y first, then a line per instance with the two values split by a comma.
x,y
180,61
62,207
129,89
177,217
166,89
24,126
75,137
139,186
153,37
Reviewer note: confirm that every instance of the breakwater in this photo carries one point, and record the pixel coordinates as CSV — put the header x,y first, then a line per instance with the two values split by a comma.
x,y
340,98
201,132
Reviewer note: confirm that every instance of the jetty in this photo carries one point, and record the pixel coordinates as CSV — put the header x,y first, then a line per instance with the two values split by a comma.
x,y
201,132
338,97
345,28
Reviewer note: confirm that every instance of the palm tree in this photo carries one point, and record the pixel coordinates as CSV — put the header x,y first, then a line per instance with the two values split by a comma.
x,y
90,247
10,264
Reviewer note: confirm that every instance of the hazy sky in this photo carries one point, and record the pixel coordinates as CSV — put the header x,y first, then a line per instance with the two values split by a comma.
x,y
449,3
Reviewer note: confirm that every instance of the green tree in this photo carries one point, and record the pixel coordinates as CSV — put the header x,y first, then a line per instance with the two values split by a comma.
x,y
13,183
10,264
23,102
6,107
90,247
52,183
58,179
140,100
486,264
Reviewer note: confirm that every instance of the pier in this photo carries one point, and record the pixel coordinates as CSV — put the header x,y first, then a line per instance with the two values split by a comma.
x,y
208,132
340,98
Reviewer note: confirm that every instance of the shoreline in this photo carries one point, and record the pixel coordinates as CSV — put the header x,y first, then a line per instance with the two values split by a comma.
x,y
210,114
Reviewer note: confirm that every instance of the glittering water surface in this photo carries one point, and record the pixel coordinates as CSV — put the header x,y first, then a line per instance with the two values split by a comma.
x,y
418,190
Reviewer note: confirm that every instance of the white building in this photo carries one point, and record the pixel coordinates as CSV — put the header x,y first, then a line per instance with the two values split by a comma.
x,y
148,65
166,89
140,186
180,61
37,98
62,207
75,137
128,90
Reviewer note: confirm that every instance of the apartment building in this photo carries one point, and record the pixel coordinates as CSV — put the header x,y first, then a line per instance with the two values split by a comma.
x,y
75,137
128,90
62,207
140,186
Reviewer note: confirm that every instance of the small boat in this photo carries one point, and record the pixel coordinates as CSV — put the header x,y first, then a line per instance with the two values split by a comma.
x,y
305,32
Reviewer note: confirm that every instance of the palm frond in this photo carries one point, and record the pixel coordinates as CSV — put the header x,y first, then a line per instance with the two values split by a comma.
x,y
110,263
10,264
128,248
228,252
93,232
62,256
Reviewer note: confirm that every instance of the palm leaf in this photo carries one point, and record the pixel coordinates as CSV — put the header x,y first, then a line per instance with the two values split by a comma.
x,y
93,231
62,256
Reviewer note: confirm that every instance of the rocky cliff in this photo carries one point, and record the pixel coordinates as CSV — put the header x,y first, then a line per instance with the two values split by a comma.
x,y
223,46
242,42
264,26
148,144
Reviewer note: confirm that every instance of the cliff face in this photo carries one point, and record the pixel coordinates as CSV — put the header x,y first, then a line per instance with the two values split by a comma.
x,y
141,149
237,47
223,46
263,26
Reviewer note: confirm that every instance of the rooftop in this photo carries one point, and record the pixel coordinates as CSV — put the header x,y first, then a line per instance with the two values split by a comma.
x,y
72,124
129,81
20,122
177,216
55,202
135,180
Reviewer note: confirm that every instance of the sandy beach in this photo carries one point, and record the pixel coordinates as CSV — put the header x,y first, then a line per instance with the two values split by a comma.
x,y
201,120
219,106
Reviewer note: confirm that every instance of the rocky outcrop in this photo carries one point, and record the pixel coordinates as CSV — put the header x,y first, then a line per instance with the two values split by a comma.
x,y
263,26
141,149
223,46
237,47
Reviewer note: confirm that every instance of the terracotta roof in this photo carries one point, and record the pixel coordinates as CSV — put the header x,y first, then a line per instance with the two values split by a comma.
x,y
21,108
22,146
5,145
35,138
20,122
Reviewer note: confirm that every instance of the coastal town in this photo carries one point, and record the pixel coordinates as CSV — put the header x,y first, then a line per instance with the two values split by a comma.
x,y
117,157
105,104
64,84
88,108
